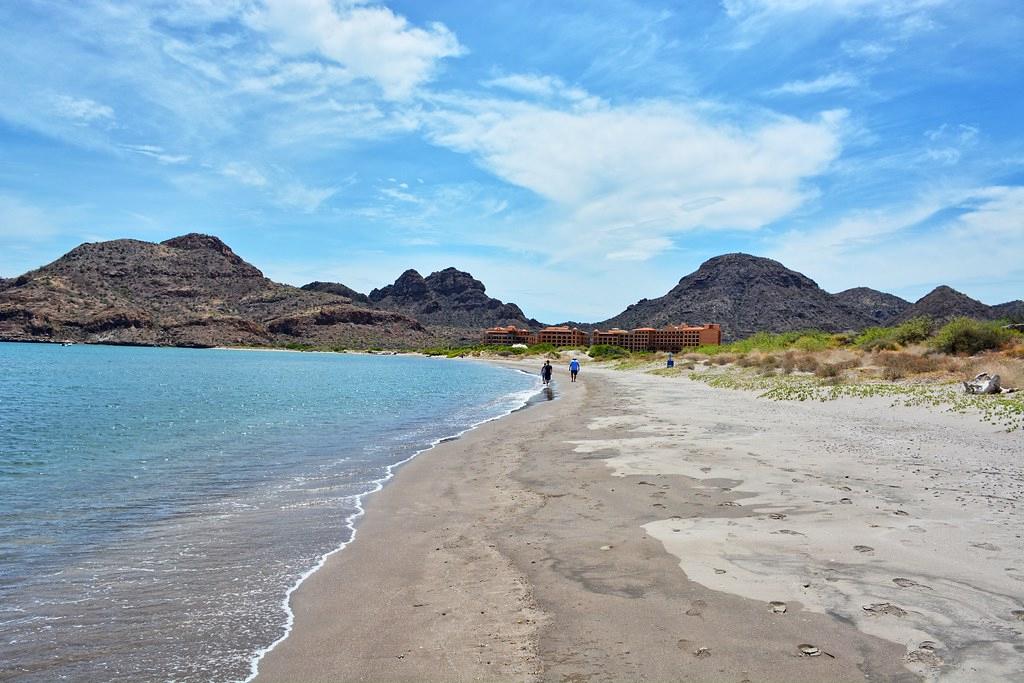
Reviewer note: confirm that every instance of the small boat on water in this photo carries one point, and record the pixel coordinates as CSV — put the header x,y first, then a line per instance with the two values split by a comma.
x,y
67,343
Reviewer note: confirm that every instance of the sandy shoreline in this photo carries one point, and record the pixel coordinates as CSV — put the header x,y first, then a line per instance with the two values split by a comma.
x,y
639,527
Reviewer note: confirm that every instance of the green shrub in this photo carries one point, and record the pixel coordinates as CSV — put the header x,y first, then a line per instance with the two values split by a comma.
x,y
913,331
872,336
880,344
967,336
767,342
606,351
543,349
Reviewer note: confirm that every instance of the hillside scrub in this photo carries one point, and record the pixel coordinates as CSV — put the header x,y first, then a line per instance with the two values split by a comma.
x,y
913,331
969,337
803,340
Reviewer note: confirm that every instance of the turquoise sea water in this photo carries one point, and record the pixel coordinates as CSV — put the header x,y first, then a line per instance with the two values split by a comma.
x,y
157,504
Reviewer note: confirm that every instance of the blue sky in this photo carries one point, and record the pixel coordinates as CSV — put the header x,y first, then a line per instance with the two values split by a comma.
x,y
574,156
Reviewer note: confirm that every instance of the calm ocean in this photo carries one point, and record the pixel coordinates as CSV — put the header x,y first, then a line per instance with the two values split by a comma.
x,y
156,505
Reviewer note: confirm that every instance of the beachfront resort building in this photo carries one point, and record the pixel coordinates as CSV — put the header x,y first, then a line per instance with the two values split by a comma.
x,y
670,338
563,335
507,335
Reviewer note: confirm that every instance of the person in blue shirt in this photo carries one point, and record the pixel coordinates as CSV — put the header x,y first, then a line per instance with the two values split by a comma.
x,y
574,368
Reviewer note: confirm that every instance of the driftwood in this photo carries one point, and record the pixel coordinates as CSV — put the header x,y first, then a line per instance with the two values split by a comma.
x,y
986,384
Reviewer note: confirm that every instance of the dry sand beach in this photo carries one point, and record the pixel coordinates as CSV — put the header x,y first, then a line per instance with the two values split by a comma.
x,y
652,528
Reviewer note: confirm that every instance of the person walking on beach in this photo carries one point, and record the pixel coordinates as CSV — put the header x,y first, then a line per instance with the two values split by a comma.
x,y
574,369
545,371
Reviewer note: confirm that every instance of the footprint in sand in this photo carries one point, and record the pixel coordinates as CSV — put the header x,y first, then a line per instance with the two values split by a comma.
x,y
777,607
808,650
845,501
696,609
863,549
925,654
885,608
986,546
776,515
1018,614
702,652
788,532
907,583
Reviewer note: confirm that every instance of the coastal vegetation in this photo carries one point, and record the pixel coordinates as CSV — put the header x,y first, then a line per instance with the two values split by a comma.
x,y
483,350
915,364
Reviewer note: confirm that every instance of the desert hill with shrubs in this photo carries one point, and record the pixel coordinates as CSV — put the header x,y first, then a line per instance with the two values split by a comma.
x,y
191,290
745,294
748,294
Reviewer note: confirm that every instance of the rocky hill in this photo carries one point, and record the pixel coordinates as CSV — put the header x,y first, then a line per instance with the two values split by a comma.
x,y
746,294
944,303
879,306
1011,310
191,290
448,299
339,289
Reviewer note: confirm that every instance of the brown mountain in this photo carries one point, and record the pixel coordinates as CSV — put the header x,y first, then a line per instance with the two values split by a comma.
x,y
944,303
746,294
448,299
339,289
1011,310
188,291
879,306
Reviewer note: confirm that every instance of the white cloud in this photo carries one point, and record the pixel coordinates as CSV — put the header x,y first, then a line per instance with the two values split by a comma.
x,y
949,142
280,186
368,42
399,195
949,237
295,195
81,110
632,177
641,249
245,174
871,51
839,80
756,19
158,153
541,86
737,8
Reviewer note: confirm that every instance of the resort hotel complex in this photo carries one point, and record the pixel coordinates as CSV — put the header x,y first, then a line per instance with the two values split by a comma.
x,y
670,338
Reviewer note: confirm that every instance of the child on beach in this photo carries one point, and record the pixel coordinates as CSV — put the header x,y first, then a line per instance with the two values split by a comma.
x,y
574,369
545,371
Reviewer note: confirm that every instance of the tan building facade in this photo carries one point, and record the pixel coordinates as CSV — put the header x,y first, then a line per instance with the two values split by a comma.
x,y
670,338
507,335
563,336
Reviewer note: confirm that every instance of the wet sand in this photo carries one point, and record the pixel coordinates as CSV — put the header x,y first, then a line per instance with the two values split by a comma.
x,y
641,528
